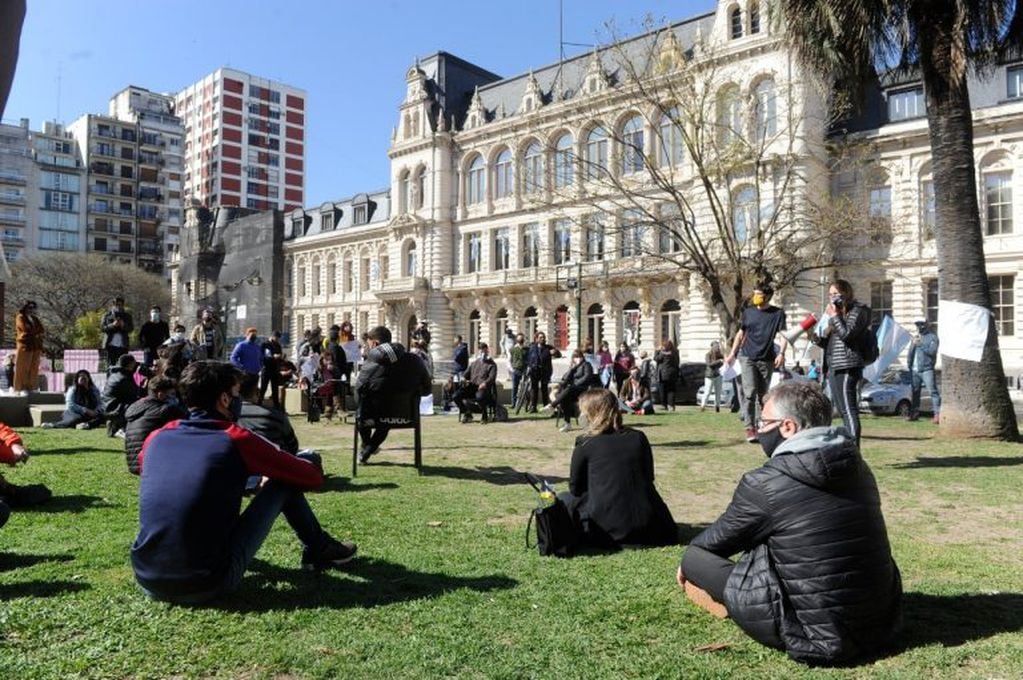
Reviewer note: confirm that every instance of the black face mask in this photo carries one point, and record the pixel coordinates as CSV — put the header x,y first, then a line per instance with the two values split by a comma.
x,y
770,440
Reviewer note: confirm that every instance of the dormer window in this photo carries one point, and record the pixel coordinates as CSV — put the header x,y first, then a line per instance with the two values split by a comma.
x,y
1014,82
906,104
735,23
360,214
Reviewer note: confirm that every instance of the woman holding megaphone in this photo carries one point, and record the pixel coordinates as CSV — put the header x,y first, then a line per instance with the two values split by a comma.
x,y
842,338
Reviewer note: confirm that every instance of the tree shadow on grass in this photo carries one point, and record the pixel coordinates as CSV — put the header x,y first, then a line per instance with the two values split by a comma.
x,y
960,461
12,561
895,438
72,451
73,503
366,582
344,484
9,591
953,620
683,443
500,475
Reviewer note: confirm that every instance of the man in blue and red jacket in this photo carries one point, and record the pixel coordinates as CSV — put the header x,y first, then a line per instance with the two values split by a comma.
x,y
193,544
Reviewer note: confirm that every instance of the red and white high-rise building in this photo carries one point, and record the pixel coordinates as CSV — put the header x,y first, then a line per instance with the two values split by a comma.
x,y
244,141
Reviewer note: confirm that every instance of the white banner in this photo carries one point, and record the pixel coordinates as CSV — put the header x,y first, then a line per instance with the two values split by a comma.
x,y
962,329
891,340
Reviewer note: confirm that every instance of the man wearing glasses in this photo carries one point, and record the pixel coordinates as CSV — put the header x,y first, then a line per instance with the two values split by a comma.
x,y
816,577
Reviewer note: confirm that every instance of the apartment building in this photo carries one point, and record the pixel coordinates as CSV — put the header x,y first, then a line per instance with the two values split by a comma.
x,y
244,141
16,181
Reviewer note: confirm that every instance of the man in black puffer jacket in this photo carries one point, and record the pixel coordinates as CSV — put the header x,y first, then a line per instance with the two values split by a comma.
x,y
148,415
269,423
817,578
388,373
119,392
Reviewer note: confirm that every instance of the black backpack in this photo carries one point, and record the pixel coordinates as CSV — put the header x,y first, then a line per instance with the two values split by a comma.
x,y
869,348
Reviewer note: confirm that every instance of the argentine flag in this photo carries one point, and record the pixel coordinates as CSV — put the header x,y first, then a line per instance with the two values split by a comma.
x,y
891,340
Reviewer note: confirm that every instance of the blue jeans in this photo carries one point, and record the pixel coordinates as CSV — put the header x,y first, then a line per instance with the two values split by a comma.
x,y
516,381
251,530
925,379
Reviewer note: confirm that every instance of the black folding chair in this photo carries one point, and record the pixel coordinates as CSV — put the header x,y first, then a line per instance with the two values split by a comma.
x,y
396,412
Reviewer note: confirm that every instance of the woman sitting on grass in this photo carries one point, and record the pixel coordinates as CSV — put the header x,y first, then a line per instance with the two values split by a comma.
x,y
611,495
81,404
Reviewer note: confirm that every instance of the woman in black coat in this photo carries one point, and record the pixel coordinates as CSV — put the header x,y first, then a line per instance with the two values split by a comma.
x,y
667,373
576,380
612,496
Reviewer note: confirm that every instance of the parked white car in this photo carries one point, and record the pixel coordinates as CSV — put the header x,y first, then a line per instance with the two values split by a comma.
x,y
893,394
727,390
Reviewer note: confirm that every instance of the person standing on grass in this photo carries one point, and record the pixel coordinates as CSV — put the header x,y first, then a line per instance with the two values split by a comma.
x,y
816,578
270,375
247,355
152,334
460,357
667,362
712,376
540,362
117,325
517,356
207,340
198,468
29,335
760,323
923,355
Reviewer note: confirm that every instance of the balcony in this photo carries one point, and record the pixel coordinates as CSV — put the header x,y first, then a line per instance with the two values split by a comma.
x,y
12,217
401,286
11,177
106,132
12,240
104,151
102,168
101,190
12,198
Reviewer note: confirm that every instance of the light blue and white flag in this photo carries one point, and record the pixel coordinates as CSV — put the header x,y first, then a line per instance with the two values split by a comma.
x,y
891,340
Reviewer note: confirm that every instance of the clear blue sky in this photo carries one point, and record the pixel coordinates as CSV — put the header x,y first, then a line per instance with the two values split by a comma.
x,y
350,56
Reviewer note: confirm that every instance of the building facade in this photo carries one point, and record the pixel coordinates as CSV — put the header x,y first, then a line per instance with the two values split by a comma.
x,y
499,215
244,141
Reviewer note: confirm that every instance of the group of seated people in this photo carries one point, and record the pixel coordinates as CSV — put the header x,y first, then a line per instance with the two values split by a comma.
x,y
86,407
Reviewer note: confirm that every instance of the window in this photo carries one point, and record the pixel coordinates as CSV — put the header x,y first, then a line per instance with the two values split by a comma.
x,y
754,17
931,301
632,146
594,239
302,290
631,326
998,202
766,112
316,280
410,259
729,115
880,300
1002,303
475,182
672,144
880,208
1014,82
59,200
531,245
595,325
927,211
418,188
348,272
906,104
364,266
474,253
529,323
745,215
596,153
671,229
404,202
562,241
58,240
474,331
360,214
671,321
500,328
327,221
532,166
735,23
332,277
503,175
563,161
632,233
502,248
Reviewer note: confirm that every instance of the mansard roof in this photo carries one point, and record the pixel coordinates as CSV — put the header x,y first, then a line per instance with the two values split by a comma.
x,y
342,213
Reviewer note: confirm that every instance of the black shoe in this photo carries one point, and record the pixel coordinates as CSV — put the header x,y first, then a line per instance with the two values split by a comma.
x,y
366,452
466,417
334,553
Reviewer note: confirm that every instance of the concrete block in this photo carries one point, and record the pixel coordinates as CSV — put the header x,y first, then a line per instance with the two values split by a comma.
x,y
45,413
14,411
46,398
295,400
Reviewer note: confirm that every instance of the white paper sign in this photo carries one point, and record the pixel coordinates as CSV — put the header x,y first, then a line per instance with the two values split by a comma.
x,y
730,371
240,311
962,329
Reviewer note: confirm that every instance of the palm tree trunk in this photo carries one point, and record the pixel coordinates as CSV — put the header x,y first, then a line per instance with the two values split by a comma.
x,y
12,15
975,398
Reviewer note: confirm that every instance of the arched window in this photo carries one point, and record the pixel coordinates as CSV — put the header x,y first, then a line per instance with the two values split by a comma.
x,y
631,318
671,321
503,174
348,272
632,146
754,17
302,289
474,331
529,323
403,192
476,181
563,175
317,278
418,188
729,114
332,277
745,215
672,143
500,326
595,325
532,166
410,264
735,23
596,153
766,112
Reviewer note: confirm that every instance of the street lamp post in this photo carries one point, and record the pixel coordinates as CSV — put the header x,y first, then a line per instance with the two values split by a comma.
x,y
575,284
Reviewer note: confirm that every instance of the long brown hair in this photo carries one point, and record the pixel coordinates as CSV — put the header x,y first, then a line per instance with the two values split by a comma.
x,y
600,407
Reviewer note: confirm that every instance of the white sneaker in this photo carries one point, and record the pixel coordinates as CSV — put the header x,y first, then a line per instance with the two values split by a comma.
x,y
120,433
21,393
565,428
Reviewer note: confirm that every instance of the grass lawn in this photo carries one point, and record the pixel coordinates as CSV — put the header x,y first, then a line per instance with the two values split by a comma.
x,y
444,587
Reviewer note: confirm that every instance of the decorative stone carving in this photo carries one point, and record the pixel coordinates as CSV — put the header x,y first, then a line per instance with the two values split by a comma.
x,y
477,114
532,98
595,80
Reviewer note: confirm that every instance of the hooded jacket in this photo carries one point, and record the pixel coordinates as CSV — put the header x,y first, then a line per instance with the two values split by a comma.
x,y
389,371
144,417
119,392
817,578
923,355
842,347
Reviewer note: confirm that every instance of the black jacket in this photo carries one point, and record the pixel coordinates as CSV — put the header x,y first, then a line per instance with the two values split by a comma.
x,y
667,367
269,423
153,333
817,578
461,357
579,377
389,371
539,358
843,345
119,392
615,501
144,417
108,328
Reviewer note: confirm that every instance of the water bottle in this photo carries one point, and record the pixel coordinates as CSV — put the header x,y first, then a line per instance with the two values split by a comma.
x,y
547,494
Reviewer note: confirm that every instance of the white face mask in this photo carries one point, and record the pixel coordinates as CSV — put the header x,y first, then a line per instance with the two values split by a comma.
x,y
178,337
154,316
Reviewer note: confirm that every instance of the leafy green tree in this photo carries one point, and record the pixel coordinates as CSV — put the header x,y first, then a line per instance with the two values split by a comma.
x,y
846,43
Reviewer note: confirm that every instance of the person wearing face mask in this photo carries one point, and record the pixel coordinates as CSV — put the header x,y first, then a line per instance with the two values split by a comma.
x,y
28,349
577,379
921,359
816,578
474,393
247,355
206,337
761,322
198,467
175,353
842,339
117,325
119,392
540,364
152,334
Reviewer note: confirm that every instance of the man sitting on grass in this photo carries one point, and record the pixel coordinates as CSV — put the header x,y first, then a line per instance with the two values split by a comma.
x,y
817,578
192,543
271,423
148,415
